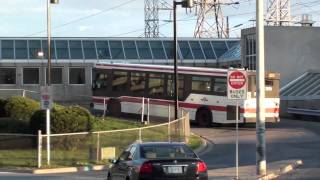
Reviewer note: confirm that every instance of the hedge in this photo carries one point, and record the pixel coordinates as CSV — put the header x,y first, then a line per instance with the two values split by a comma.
x,y
63,120
21,108
3,112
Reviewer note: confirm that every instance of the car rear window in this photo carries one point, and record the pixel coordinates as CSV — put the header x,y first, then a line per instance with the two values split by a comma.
x,y
154,152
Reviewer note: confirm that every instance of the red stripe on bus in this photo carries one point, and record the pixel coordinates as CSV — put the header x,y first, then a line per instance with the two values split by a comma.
x,y
165,103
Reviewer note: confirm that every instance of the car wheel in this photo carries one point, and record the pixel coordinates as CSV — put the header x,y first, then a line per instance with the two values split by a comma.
x,y
114,107
204,117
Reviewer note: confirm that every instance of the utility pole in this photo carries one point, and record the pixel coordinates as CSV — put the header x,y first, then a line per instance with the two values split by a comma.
x,y
185,4
49,2
260,122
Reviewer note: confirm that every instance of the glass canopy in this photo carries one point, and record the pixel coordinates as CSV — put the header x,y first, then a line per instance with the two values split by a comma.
x,y
114,48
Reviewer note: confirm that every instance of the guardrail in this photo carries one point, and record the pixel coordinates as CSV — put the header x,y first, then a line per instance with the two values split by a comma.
x,y
309,112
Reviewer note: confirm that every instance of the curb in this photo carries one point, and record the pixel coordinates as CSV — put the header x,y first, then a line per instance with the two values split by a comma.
x,y
203,145
70,169
284,170
16,170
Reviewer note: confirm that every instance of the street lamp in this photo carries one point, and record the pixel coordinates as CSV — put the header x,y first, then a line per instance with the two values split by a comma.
x,y
185,4
49,36
49,73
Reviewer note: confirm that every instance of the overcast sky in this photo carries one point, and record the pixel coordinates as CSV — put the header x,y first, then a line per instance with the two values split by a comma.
x,y
113,18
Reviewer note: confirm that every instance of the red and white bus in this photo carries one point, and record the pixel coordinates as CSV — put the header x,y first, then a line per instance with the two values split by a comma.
x,y
119,88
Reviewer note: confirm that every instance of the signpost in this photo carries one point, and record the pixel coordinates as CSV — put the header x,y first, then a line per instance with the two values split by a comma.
x,y
237,90
46,104
46,97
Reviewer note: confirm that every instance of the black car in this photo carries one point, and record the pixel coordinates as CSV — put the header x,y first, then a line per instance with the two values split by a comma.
x,y
158,160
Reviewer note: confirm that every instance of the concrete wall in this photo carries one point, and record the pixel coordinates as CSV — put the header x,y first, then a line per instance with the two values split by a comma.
x,y
63,93
289,50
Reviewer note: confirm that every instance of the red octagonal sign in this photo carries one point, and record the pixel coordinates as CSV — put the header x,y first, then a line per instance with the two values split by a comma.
x,y
237,79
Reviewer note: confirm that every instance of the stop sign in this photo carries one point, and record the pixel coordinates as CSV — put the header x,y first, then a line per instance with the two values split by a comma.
x,y
237,84
237,79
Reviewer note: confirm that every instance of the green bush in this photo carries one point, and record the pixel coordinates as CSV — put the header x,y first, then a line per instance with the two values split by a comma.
x,y
63,120
70,119
21,108
3,112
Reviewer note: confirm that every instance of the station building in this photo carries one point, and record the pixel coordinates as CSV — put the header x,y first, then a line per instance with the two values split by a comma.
x,y
292,51
74,58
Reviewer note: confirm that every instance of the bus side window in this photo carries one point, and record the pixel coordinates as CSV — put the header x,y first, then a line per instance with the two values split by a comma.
x,y
137,83
119,81
201,84
100,80
156,85
220,86
170,86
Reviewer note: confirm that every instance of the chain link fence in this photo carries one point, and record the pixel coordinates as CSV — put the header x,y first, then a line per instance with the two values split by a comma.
x,y
74,149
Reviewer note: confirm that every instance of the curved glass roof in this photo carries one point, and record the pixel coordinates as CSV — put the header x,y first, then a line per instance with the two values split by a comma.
x,y
114,48
233,54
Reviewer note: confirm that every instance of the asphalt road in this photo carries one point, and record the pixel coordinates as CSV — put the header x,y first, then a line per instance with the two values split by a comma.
x,y
286,140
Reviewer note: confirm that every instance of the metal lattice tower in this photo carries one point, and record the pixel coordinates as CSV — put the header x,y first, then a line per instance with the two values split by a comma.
x,y
151,16
278,13
211,22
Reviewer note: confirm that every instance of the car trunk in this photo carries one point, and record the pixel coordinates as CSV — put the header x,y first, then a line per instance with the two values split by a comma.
x,y
173,168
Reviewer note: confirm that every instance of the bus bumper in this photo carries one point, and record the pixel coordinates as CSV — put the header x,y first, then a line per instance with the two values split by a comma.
x,y
268,120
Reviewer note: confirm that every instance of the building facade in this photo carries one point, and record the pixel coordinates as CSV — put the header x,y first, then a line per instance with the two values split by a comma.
x,y
294,53
290,50
74,58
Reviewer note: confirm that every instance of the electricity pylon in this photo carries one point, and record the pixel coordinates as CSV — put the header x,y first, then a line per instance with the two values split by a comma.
x,y
278,13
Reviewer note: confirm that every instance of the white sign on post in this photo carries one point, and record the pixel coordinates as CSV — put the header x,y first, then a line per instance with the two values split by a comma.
x,y
46,97
237,90
237,84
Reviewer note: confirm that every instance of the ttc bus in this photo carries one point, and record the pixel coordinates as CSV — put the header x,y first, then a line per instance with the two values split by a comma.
x,y
120,88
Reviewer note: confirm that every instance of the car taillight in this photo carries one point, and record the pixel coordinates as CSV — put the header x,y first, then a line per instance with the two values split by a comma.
x,y
201,167
146,168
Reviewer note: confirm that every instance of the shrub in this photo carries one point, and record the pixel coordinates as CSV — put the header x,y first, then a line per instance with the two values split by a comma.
x,y
63,120
21,108
70,119
3,112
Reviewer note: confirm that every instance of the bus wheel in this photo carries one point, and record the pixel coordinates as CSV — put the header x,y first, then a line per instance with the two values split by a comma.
x,y
114,107
204,117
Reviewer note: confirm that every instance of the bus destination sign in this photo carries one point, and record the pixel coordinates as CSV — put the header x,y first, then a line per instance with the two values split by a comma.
x,y
237,84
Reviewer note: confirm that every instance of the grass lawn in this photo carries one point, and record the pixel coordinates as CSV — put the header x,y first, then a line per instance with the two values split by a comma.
x,y
75,150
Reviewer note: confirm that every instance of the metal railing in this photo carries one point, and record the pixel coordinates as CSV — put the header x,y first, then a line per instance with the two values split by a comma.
x,y
20,92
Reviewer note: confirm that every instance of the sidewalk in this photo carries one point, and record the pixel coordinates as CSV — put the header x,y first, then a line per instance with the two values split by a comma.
x,y
274,169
